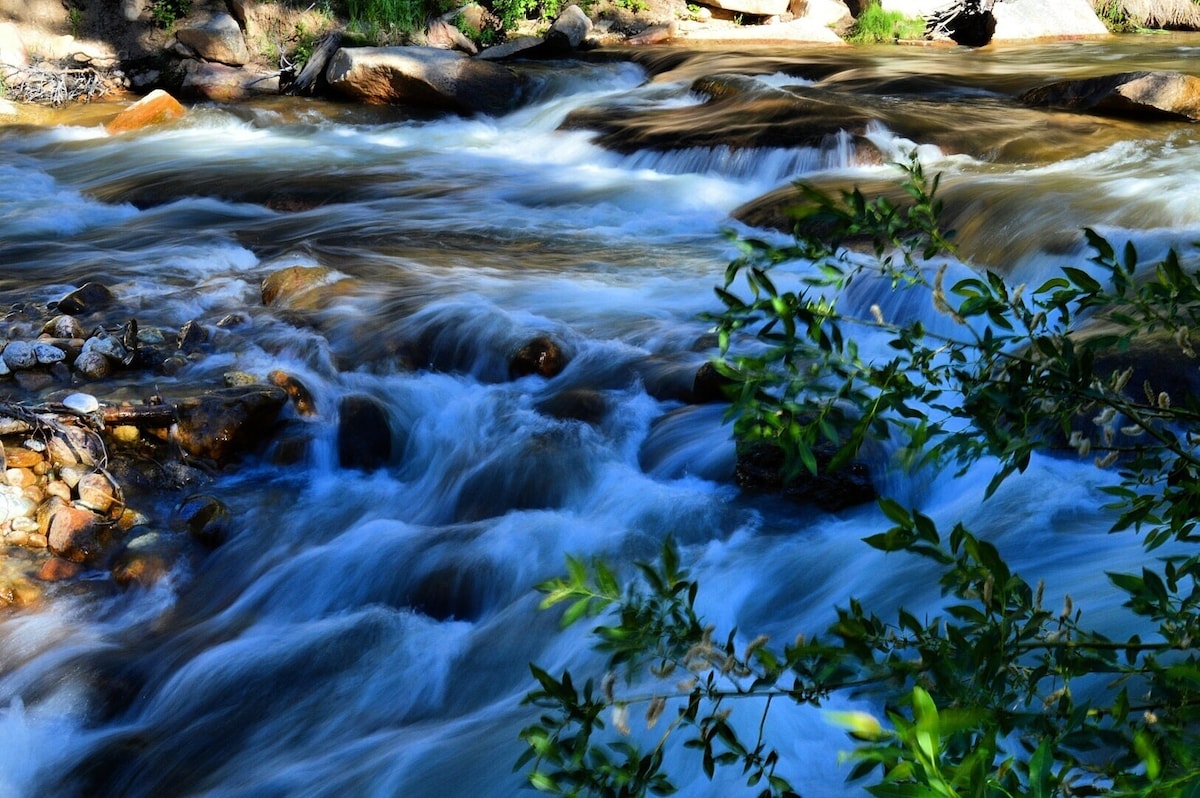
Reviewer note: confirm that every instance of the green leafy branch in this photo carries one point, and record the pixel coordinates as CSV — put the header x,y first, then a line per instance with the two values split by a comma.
x,y
997,695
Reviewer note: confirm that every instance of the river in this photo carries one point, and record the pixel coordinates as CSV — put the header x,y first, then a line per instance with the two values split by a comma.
x,y
369,633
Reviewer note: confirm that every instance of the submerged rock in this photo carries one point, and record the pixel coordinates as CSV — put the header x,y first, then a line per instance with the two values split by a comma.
x,y
364,435
760,469
542,356
206,518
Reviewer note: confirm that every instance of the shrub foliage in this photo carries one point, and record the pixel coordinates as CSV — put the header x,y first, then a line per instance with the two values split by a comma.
x,y
999,695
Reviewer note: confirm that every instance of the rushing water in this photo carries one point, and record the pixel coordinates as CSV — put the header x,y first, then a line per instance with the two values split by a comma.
x,y
369,634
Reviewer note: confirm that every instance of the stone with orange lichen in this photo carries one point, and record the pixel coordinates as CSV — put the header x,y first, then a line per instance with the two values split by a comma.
x,y
155,108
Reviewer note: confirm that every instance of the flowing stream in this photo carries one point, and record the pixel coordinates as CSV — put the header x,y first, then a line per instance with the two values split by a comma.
x,y
369,633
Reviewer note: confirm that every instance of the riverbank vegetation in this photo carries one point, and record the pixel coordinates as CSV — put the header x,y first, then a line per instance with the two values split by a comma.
x,y
1004,691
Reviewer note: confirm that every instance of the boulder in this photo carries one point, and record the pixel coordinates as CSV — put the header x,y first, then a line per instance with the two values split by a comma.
x,y
568,30
12,47
424,76
226,423
155,108
1135,95
444,36
220,39
223,83
833,14
1018,20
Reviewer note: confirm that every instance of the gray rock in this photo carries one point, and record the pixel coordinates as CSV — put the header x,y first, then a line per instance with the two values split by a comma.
x,y
569,30
220,39
19,355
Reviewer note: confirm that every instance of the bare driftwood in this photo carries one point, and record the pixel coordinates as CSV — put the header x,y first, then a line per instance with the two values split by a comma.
x,y
140,415
314,68
48,85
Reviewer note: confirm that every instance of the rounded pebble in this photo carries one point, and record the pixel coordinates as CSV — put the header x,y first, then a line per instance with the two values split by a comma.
x,y
81,403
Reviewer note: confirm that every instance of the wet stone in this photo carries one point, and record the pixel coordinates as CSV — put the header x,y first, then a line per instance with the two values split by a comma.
x,y
364,436
542,356
63,326
75,534
205,518
87,298
192,337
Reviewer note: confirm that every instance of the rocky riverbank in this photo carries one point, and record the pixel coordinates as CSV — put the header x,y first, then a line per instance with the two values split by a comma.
x,y
227,51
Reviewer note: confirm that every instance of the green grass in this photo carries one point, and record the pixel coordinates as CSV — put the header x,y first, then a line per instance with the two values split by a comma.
x,y
403,15
874,26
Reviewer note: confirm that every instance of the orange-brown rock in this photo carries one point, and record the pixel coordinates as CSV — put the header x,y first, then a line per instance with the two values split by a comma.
x,y
303,287
155,108
20,457
229,422
75,534
57,569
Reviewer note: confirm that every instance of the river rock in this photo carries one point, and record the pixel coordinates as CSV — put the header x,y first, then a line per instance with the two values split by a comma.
x,y
14,504
19,355
83,403
303,287
155,108
219,39
47,354
147,559
1135,95
741,112
71,446
542,356
63,326
93,365
75,533
423,76
97,492
444,36
87,298
577,404
192,337
1018,20
364,436
302,399
206,518
20,457
759,469
228,422
568,31
225,84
